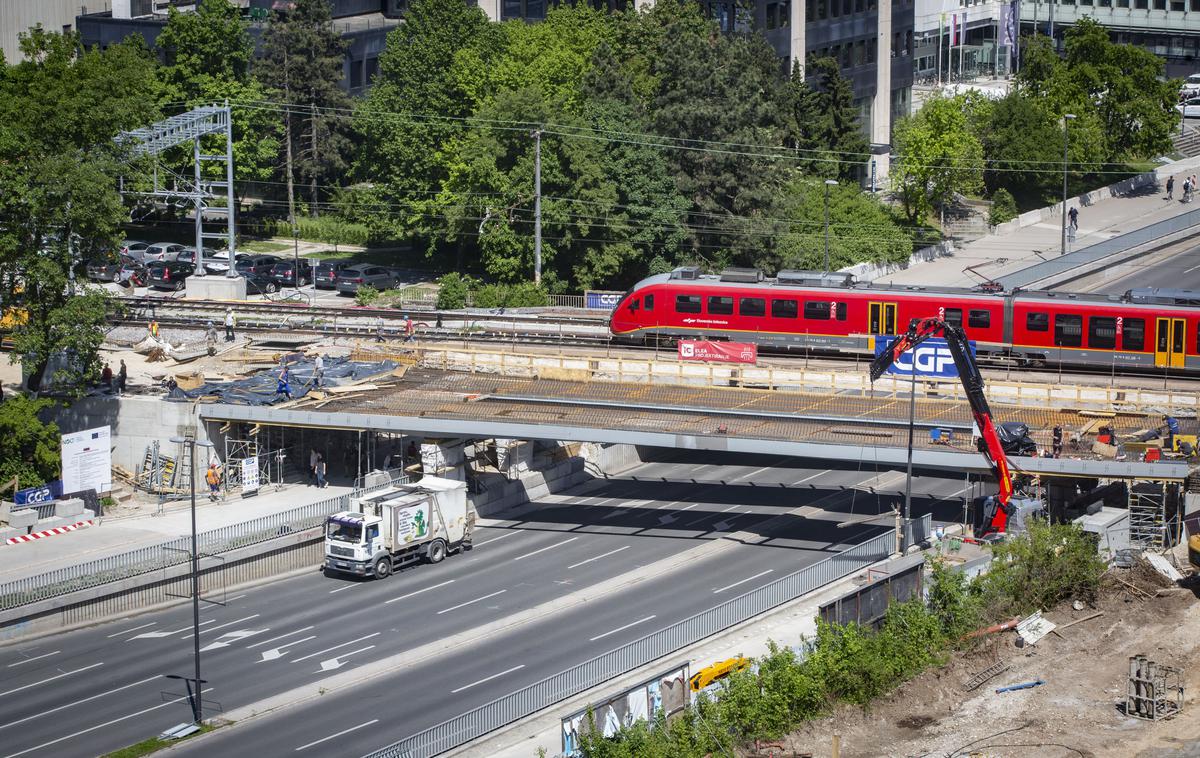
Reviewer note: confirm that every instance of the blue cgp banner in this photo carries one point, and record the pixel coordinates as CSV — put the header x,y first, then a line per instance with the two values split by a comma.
x,y
600,299
932,358
39,495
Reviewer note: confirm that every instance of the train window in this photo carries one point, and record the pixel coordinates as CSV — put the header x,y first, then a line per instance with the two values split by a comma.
x,y
1068,330
687,303
1133,334
1102,332
635,304
752,306
720,305
841,311
817,309
1037,322
649,301
953,317
979,319
784,308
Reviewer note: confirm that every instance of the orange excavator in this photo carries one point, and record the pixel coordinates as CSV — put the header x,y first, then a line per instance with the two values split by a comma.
x,y
996,441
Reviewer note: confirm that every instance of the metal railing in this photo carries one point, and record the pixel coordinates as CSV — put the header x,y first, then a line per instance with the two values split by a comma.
x,y
144,560
528,700
917,530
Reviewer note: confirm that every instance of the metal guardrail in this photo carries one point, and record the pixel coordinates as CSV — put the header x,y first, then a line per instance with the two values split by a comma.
x,y
1096,252
528,700
173,552
917,530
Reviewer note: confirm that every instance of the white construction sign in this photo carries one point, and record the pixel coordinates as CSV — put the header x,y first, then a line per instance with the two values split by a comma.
x,y
87,460
249,475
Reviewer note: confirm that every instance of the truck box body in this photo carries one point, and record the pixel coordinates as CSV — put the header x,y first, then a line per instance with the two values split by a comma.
x,y
400,525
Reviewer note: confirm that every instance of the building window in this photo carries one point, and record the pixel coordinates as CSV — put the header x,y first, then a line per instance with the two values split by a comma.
x,y
772,15
372,69
356,74
687,303
1133,335
1085,2
720,305
860,52
784,309
835,7
785,15
1177,5
859,5
1160,5
1195,5
1141,4
822,10
1068,330
510,10
1104,3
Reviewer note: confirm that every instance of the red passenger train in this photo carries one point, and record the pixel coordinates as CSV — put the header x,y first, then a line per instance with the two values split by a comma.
x,y
1142,329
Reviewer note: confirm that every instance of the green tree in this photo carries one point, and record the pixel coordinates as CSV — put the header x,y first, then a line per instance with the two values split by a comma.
x,y
861,229
823,123
207,56
936,155
29,449
1023,145
1004,207
60,109
301,65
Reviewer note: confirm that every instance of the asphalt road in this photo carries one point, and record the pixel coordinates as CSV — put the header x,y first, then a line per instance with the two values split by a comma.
x,y
1175,268
90,691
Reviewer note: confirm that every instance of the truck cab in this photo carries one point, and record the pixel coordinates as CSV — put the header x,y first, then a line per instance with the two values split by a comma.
x,y
401,525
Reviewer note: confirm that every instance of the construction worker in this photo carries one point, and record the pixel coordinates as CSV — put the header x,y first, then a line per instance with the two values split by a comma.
x,y
1172,430
1057,439
210,338
230,322
318,371
213,477
154,329
408,328
284,386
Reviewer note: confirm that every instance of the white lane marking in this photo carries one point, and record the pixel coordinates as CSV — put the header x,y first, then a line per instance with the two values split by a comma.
x,y
730,508
336,647
495,539
127,631
487,679
158,635
221,626
614,514
237,597
418,592
106,723
228,638
338,734
747,579
808,478
47,712
35,658
277,652
289,634
476,600
535,552
621,628
348,586
336,662
1190,270
598,557
51,679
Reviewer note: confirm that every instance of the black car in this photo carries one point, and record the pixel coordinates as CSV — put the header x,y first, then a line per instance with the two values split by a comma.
x,y
327,274
106,269
258,264
294,273
257,284
169,275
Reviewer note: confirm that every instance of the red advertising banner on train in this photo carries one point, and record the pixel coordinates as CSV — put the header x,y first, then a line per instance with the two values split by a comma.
x,y
718,352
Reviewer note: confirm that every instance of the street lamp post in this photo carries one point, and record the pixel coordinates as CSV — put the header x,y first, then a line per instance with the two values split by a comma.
x,y
1067,119
190,442
828,183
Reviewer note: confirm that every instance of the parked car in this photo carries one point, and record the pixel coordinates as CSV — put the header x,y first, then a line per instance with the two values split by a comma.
x,y
161,251
133,273
326,275
256,263
1191,86
259,284
350,279
169,275
133,248
293,273
188,255
1190,108
106,269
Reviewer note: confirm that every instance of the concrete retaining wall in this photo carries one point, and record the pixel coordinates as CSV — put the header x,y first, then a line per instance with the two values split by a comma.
x,y
136,422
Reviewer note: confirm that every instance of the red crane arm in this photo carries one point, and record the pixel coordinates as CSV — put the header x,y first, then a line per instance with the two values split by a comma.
x,y
922,329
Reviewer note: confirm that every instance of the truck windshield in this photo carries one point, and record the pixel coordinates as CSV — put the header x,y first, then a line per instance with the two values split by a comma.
x,y
345,532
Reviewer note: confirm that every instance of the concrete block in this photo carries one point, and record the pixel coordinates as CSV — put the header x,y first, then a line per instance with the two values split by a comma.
x,y
6,532
52,522
87,515
216,287
6,507
68,508
22,518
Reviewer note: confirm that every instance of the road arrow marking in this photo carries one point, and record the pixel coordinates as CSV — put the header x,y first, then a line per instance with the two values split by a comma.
x,y
337,663
664,520
222,626
335,647
157,635
614,514
228,638
721,526
277,652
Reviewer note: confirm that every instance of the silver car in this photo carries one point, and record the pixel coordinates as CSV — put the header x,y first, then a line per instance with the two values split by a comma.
x,y
364,274
164,252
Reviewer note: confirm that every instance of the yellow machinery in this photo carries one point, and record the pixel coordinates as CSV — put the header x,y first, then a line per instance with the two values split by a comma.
x,y
715,671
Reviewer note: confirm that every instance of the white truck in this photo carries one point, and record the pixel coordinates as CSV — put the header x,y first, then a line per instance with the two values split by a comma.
x,y
400,525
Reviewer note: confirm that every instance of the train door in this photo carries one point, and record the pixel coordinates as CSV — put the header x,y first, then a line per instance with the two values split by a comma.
x,y
882,318
1169,341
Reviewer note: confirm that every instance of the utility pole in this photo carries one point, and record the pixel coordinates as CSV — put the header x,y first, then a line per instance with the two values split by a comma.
x,y
287,128
1067,119
537,206
313,158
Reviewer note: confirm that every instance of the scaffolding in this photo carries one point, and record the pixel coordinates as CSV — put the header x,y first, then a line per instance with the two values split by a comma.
x,y
152,141
1155,519
1154,691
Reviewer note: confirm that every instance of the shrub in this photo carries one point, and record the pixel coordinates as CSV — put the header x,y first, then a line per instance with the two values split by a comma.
x,y
366,295
452,291
1004,207
488,296
1034,571
330,229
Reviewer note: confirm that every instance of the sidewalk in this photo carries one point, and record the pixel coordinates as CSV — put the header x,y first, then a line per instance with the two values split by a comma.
x,y
115,536
1036,235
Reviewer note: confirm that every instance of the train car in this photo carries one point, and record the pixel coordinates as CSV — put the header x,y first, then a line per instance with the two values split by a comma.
x,y
800,310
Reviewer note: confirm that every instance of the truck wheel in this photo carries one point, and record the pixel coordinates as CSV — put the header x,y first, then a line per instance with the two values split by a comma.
x,y
436,552
383,567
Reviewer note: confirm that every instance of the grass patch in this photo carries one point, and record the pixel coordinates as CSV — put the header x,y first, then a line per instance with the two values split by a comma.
x,y
153,745
265,246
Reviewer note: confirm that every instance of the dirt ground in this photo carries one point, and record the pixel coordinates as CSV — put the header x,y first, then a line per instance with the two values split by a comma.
x,y
1077,712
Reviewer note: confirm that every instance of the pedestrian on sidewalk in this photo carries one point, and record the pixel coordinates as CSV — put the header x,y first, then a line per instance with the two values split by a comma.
x,y
1073,215
1187,191
122,377
106,377
1170,187
319,470
313,457
230,322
